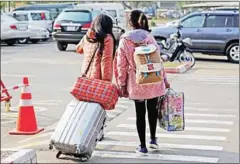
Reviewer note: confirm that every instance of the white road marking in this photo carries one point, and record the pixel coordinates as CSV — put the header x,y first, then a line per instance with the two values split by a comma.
x,y
9,75
168,135
188,108
117,111
119,105
210,115
163,145
212,83
187,128
110,115
209,122
36,109
164,157
36,136
8,122
198,121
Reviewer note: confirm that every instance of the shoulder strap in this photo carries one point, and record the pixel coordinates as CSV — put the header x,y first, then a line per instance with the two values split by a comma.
x,y
91,60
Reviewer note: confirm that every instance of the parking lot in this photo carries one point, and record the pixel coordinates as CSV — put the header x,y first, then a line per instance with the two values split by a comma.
x,y
211,101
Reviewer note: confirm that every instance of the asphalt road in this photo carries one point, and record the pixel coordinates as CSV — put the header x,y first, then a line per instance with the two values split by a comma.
x,y
211,108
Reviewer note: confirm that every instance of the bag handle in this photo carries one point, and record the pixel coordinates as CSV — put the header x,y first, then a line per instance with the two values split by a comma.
x,y
170,90
88,67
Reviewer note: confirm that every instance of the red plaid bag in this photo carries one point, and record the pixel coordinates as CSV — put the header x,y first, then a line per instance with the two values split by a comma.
x,y
95,90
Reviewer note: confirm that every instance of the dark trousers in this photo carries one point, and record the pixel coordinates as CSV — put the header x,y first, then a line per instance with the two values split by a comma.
x,y
152,118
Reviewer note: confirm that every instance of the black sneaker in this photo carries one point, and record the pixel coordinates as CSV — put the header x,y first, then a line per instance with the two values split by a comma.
x,y
142,151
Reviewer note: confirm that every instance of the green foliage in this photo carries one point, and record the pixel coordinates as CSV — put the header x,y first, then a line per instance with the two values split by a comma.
x,y
153,24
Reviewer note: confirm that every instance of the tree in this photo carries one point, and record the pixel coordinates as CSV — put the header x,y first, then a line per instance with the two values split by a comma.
x,y
137,4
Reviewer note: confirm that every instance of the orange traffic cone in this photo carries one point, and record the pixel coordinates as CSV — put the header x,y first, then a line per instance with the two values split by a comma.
x,y
26,123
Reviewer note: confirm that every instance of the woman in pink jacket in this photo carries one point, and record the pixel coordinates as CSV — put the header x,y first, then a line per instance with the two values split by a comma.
x,y
100,34
126,79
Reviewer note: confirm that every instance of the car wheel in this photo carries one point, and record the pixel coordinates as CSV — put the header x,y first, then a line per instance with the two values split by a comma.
x,y
232,52
23,41
62,46
10,42
34,41
44,40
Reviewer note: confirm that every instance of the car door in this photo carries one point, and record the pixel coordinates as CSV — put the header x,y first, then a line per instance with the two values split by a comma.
x,y
217,30
192,28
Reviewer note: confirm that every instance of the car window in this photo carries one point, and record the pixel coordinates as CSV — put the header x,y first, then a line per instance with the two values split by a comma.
x,y
229,22
75,16
236,20
193,22
121,13
113,13
216,21
40,16
21,17
95,14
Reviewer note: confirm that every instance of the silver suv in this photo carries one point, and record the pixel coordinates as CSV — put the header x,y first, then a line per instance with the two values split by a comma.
x,y
212,32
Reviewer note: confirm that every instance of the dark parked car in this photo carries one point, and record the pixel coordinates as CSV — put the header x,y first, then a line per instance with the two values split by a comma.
x,y
211,32
72,24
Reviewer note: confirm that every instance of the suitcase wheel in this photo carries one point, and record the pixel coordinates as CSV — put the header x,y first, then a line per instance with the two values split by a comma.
x,y
50,147
101,138
58,154
84,158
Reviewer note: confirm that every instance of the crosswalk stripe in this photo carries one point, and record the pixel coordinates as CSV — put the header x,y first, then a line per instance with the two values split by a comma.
x,y
227,110
209,82
213,80
134,144
168,135
209,77
7,122
36,136
209,122
187,128
164,157
210,115
162,145
198,121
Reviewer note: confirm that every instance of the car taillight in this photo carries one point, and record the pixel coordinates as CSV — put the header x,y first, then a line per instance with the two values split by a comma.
x,y
57,26
13,26
87,25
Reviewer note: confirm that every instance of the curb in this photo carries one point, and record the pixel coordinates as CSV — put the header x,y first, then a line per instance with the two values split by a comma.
x,y
180,69
20,156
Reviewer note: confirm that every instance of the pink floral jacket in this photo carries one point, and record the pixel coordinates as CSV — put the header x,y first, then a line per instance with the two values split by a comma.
x,y
124,67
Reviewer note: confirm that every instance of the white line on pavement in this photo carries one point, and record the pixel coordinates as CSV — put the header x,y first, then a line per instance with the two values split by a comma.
x,y
8,122
197,121
187,128
210,115
215,109
164,157
168,135
212,82
163,145
36,136
9,75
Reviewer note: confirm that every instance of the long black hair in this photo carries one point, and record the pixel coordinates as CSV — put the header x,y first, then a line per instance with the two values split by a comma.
x,y
138,20
103,25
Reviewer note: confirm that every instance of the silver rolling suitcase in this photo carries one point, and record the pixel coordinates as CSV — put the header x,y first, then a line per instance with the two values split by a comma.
x,y
79,129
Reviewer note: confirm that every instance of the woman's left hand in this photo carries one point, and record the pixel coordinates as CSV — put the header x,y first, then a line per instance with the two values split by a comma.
x,y
167,84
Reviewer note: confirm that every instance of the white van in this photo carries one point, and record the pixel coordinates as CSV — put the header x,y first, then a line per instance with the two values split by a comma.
x,y
39,18
116,10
